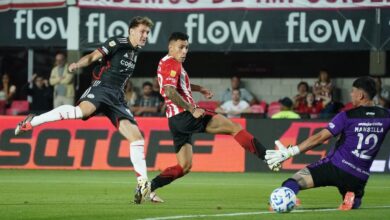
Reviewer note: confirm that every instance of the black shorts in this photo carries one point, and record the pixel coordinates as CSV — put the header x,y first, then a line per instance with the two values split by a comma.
x,y
183,125
109,101
324,173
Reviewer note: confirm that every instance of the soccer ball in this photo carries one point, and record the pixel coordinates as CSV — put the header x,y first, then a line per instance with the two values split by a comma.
x,y
282,200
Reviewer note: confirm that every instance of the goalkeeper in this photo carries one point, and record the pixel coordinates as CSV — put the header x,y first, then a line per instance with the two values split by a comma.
x,y
360,134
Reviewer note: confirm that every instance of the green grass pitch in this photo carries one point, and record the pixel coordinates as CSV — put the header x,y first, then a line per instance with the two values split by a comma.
x,y
37,194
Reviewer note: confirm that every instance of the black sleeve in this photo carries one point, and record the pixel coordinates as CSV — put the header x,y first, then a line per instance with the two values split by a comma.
x,y
109,47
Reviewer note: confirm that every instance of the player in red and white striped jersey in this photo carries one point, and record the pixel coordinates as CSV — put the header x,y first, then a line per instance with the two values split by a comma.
x,y
185,118
171,73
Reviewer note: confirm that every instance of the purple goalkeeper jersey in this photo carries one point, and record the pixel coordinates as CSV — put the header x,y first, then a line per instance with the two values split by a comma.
x,y
362,131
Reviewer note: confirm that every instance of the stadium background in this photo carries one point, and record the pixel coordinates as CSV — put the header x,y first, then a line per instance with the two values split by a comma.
x,y
272,45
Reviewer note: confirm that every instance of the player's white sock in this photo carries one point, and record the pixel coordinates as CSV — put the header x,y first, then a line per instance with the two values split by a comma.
x,y
137,157
62,112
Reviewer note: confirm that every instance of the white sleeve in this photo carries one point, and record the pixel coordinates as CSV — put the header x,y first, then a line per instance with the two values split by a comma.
x,y
244,105
225,106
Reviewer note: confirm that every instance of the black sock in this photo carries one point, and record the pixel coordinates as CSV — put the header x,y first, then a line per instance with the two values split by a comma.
x,y
260,149
166,177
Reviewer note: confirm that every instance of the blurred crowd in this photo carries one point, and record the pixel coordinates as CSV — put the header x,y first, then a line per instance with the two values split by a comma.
x,y
42,93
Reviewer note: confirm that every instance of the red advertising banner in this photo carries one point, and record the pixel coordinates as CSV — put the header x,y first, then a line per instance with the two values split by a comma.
x,y
97,145
232,4
28,4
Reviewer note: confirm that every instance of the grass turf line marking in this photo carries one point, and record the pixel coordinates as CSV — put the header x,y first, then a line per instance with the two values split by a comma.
x,y
250,213
131,182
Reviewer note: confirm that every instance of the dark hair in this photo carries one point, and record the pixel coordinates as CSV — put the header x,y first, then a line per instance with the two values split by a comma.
x,y
147,83
137,20
367,84
61,53
178,36
325,71
236,76
286,101
305,84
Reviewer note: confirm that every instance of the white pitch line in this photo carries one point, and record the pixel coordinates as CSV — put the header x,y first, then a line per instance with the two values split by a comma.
x,y
130,182
249,213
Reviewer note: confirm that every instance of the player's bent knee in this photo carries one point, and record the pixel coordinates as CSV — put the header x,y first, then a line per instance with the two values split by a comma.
x,y
87,108
236,127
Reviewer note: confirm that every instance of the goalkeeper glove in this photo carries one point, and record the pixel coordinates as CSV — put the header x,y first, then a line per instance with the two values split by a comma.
x,y
276,157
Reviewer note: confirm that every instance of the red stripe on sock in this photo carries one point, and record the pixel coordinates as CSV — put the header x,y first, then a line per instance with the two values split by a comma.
x,y
173,172
245,139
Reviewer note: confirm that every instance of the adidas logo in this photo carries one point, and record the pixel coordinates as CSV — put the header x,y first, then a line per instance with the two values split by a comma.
x,y
127,56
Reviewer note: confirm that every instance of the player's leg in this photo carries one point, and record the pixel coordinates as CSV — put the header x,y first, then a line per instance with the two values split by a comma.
x,y
319,174
89,103
351,189
63,112
184,159
301,180
181,126
137,149
132,133
219,124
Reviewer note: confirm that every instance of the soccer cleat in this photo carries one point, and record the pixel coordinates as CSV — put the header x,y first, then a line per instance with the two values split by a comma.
x,y
348,201
142,191
155,198
298,203
24,125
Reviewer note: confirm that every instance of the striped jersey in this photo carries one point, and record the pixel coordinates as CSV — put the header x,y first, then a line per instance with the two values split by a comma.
x,y
171,73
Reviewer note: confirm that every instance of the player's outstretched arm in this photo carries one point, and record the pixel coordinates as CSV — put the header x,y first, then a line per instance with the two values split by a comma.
x,y
314,140
207,93
85,61
175,97
274,157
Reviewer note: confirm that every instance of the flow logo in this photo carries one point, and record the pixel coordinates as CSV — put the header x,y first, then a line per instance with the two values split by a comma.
x,y
218,32
320,30
44,28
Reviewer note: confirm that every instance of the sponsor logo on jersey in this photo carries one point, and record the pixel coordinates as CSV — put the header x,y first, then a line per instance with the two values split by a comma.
x,y
173,73
111,43
331,125
127,56
128,64
91,96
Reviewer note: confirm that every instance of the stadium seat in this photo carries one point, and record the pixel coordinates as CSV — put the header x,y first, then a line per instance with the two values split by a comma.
x,y
17,107
259,108
210,105
273,108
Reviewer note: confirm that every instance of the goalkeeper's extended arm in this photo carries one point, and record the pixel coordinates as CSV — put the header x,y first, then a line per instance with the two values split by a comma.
x,y
314,140
275,157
